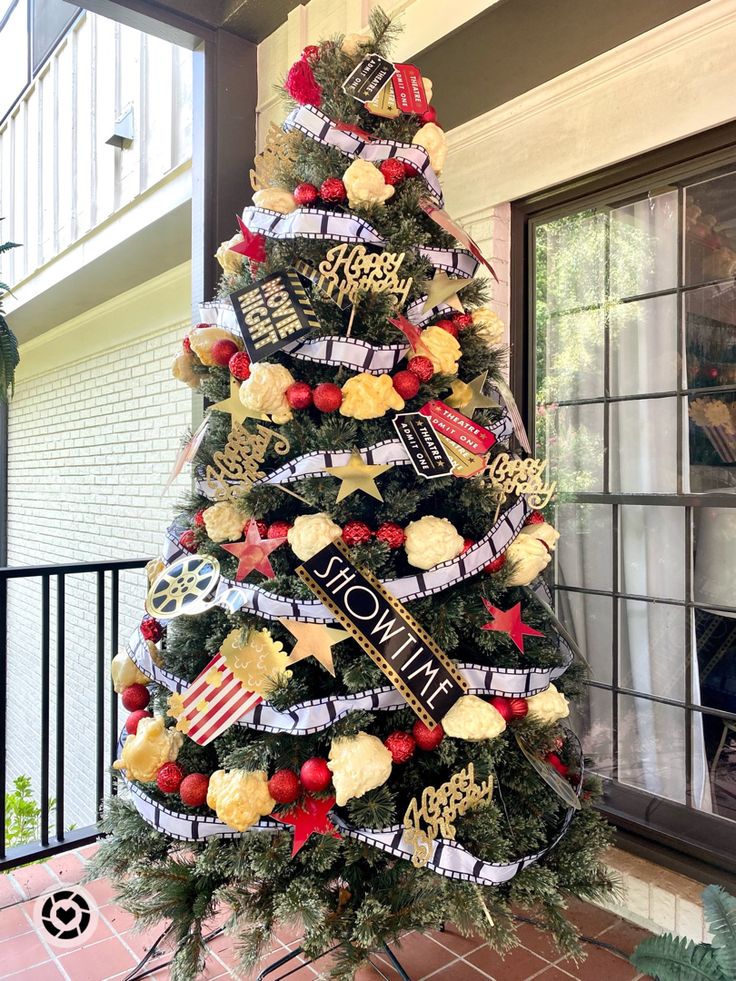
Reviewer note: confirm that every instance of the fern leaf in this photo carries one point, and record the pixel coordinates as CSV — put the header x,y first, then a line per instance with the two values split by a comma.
x,y
720,913
9,359
7,246
669,958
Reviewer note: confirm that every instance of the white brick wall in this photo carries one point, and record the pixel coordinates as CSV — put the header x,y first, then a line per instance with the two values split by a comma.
x,y
91,446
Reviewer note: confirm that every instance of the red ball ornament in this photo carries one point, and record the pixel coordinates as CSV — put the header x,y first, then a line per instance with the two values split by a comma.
x,y
299,395
135,697
260,525
429,115
401,746
327,397
450,326
311,53
356,533
199,519
554,761
332,190
304,195
421,367
193,789
278,529
222,351
391,534
510,708
501,705
169,778
188,540
187,345
284,786
467,543
462,320
519,707
535,518
393,171
301,84
406,384
151,629
315,775
131,723
427,739
495,564
239,365
410,171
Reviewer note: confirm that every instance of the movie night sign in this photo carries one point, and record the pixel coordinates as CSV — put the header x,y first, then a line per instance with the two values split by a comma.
x,y
427,678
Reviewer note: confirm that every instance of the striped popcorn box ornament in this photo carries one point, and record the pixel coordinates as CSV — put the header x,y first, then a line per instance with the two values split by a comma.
x,y
212,703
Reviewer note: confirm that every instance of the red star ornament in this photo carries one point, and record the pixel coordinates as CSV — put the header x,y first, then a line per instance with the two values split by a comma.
x,y
510,622
311,818
253,245
253,553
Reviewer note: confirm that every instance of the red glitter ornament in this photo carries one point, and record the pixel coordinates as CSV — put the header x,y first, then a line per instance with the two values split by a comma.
x,y
426,738
401,746
151,629
554,761
462,320
391,534
131,723
299,395
188,540
239,365
406,384
278,529
260,525
332,190
301,84
203,326
222,351
535,518
135,697
199,519
187,345
305,194
422,367
327,397
450,326
315,775
393,171
311,53
284,786
169,778
467,543
193,789
356,533
495,564
429,115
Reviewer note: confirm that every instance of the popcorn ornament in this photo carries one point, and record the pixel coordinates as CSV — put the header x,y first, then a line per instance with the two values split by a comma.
x,y
351,43
265,391
366,396
529,557
184,369
548,706
358,763
432,138
544,533
275,199
239,797
432,540
125,672
365,185
224,523
442,349
230,262
490,326
145,752
310,533
473,719
203,340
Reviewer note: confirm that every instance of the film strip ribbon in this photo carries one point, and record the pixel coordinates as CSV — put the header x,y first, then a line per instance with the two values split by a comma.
x,y
320,128
449,858
314,223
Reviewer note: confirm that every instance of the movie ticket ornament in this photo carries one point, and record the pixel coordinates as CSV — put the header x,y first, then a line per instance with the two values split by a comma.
x,y
438,811
347,271
366,81
426,677
509,475
428,456
457,427
384,104
408,89
273,312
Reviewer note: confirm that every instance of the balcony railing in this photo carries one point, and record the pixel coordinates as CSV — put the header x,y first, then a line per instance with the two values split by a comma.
x,y
103,728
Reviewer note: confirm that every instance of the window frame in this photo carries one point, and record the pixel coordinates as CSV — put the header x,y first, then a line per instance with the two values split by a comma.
x,y
655,825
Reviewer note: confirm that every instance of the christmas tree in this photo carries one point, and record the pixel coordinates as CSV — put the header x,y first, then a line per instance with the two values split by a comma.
x,y
348,700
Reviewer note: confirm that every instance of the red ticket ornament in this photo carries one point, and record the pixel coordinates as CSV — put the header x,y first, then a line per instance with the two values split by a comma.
x,y
409,90
457,427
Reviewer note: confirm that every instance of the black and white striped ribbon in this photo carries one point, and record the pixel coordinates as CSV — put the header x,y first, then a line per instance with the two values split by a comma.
x,y
448,858
320,128
314,223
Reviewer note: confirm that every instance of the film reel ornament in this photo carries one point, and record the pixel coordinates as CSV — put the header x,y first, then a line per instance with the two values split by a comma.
x,y
185,587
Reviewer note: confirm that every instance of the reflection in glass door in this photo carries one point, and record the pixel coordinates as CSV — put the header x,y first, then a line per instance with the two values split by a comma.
x,y
633,308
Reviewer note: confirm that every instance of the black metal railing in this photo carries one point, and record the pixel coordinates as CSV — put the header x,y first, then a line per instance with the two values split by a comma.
x,y
106,731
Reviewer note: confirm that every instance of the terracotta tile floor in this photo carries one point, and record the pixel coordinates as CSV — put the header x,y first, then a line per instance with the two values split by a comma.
x,y
114,948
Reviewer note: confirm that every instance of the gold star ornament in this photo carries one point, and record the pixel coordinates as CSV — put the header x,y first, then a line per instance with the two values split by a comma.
x,y
469,396
356,474
442,289
313,640
235,408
